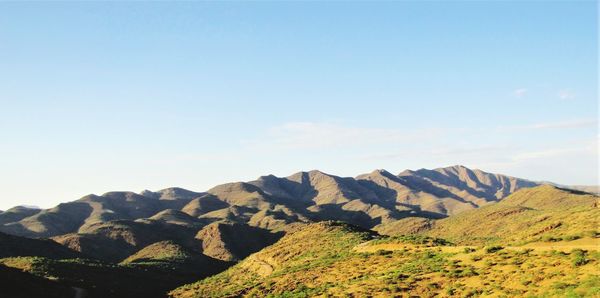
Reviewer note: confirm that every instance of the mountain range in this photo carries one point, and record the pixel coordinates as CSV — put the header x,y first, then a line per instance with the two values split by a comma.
x,y
271,202
189,235
115,225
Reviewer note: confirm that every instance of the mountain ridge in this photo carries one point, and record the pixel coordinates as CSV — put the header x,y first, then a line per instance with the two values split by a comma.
x,y
271,202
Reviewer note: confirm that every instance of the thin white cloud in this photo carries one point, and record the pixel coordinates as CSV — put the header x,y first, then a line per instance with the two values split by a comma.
x,y
566,124
315,135
575,123
521,92
547,155
553,152
441,151
566,94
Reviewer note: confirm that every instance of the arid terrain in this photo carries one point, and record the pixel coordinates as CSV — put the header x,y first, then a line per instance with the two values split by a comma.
x,y
444,232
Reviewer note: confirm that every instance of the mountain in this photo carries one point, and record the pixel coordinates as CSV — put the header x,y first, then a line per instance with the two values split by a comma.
x,y
332,259
314,233
371,201
17,213
74,216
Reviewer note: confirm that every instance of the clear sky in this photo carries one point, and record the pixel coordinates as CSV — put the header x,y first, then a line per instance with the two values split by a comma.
x,y
97,97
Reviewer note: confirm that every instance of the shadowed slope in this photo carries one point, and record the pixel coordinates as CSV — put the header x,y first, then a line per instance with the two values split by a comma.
x,y
113,241
14,246
18,284
17,213
232,241
297,251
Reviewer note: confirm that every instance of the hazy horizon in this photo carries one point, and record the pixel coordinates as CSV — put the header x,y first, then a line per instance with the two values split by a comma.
x,y
99,97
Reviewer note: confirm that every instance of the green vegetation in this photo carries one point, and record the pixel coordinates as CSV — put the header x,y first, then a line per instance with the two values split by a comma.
x,y
493,249
148,279
412,239
328,260
540,242
579,257
540,214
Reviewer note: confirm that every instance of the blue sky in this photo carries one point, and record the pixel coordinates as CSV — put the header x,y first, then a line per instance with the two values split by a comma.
x,y
130,96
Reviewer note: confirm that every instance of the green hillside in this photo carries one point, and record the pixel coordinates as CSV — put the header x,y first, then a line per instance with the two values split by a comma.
x,y
544,213
336,260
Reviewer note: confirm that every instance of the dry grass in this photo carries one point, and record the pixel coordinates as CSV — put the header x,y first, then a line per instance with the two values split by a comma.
x,y
332,261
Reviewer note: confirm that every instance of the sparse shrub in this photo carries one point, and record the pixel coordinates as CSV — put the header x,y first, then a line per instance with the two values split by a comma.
x,y
517,261
474,292
559,285
468,250
571,237
364,255
469,271
493,249
558,253
525,251
548,238
433,286
382,252
578,257
594,255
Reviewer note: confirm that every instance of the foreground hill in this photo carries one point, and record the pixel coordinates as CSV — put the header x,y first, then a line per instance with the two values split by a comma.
x,y
151,273
375,199
18,284
52,270
331,259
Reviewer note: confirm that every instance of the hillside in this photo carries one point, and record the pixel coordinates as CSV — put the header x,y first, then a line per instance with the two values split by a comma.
x,y
331,259
12,246
232,241
115,240
16,214
18,284
543,213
